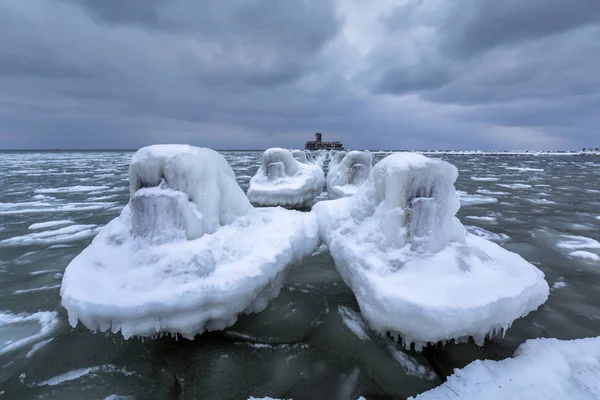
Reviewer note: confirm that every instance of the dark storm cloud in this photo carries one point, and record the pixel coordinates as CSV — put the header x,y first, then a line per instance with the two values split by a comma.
x,y
261,73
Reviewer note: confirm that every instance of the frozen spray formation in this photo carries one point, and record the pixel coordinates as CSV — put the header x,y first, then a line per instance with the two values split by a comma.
x,y
283,181
187,254
349,174
413,268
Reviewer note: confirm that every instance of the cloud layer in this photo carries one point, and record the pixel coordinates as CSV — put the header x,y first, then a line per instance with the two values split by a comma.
x,y
443,74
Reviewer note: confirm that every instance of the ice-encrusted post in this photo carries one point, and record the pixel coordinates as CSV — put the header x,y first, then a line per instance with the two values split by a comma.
x,y
181,191
283,181
414,270
187,254
418,203
346,175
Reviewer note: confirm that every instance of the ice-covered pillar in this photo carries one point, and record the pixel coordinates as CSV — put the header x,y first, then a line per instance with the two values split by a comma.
x,y
418,202
182,192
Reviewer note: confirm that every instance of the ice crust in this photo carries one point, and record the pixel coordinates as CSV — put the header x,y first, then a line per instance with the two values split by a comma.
x,y
283,181
541,369
187,254
413,268
346,176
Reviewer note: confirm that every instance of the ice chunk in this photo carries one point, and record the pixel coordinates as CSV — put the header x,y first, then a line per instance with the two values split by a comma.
x,y
50,224
467,199
413,268
300,156
67,234
345,177
187,254
283,181
541,369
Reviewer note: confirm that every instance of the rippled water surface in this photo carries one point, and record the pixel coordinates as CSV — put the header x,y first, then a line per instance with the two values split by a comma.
x,y
311,342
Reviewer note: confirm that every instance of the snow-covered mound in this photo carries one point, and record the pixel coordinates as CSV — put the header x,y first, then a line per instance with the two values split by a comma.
x,y
345,177
300,156
283,181
542,369
413,268
187,254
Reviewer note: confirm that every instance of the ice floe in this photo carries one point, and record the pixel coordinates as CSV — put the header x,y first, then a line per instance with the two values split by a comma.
x,y
50,224
80,373
467,199
283,181
187,254
21,330
413,268
514,185
71,189
485,179
541,369
66,234
345,177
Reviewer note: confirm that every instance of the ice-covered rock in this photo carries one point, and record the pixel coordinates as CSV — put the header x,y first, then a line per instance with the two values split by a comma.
x,y
413,268
300,156
187,254
283,181
345,177
541,369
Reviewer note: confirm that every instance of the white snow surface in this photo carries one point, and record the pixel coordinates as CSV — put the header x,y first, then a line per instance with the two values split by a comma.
x,y
283,181
413,268
542,369
187,254
344,179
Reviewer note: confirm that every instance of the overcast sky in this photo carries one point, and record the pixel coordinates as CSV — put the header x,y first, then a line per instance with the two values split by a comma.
x,y
251,74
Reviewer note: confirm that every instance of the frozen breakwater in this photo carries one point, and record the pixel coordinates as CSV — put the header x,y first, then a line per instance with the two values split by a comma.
x,y
314,320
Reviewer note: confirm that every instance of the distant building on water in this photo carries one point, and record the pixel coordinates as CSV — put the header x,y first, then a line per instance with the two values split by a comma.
x,y
319,144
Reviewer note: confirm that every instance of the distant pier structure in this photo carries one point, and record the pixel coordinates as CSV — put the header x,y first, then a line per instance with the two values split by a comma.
x,y
319,144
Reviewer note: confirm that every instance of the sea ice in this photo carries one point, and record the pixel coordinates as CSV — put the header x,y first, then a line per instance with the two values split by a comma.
x,y
50,224
541,369
345,177
187,254
485,179
413,268
66,234
283,181
467,199
20,330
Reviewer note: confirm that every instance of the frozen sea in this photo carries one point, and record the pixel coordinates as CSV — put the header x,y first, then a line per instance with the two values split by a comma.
x,y
311,342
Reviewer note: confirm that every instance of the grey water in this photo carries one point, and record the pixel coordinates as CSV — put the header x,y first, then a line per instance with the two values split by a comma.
x,y
311,342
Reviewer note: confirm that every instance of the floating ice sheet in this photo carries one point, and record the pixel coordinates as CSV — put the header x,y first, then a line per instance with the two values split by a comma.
x,y
413,268
20,330
187,254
